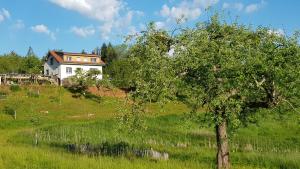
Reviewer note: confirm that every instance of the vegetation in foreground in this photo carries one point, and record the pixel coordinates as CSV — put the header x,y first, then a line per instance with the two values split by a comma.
x,y
49,118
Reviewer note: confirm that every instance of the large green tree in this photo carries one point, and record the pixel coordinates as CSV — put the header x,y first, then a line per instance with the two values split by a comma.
x,y
104,52
229,69
32,64
121,73
111,54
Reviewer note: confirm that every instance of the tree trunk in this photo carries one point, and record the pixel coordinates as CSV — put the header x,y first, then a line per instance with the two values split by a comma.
x,y
222,145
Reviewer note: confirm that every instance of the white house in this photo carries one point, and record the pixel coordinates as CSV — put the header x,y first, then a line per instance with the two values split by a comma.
x,y
61,65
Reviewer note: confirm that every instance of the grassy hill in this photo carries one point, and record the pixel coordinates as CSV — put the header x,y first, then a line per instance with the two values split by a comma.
x,y
49,120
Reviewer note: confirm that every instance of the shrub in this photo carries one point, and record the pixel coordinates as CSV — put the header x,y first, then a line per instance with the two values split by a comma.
x,y
9,110
3,95
15,88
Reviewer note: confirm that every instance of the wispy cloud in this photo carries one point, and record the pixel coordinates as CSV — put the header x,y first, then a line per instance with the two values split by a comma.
x,y
44,30
278,32
249,8
4,14
111,14
83,31
237,6
19,24
185,10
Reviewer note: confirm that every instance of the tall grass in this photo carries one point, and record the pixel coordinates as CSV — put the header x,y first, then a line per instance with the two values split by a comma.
x,y
54,119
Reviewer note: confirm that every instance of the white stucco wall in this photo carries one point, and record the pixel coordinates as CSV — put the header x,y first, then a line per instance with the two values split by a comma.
x,y
53,69
63,70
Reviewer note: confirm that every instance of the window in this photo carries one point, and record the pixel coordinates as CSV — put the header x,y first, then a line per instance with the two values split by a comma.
x,y
69,58
47,72
78,59
85,60
93,60
68,70
51,61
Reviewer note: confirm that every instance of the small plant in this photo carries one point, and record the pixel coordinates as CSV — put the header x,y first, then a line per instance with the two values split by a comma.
x,y
15,88
54,99
10,111
3,95
35,120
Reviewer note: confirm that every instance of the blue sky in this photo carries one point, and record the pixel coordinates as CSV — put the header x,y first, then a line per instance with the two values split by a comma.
x,y
73,25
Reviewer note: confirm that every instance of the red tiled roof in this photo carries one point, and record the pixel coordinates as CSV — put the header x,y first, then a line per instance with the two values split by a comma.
x,y
59,58
80,54
56,56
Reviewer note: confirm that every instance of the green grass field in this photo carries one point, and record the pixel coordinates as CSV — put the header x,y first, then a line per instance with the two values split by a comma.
x,y
48,119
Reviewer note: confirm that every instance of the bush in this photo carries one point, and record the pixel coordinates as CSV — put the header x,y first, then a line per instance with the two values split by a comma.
x,y
3,95
9,111
15,88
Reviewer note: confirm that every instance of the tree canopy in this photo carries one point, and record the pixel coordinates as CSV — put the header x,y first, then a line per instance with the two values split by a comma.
x,y
230,69
14,63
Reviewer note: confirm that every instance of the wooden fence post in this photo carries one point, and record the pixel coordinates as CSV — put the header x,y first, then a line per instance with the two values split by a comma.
x,y
15,115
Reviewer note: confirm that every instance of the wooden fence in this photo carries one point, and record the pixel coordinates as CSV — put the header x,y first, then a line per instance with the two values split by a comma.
x,y
24,78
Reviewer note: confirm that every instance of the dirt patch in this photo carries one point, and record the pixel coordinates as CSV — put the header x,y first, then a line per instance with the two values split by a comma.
x,y
108,92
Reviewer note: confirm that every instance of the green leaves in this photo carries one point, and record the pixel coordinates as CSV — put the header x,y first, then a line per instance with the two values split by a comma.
x,y
231,69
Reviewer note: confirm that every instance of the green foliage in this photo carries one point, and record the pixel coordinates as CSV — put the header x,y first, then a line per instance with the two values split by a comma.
x,y
231,70
121,73
118,67
32,65
108,53
268,144
104,52
235,71
13,63
82,80
121,51
9,110
153,69
15,88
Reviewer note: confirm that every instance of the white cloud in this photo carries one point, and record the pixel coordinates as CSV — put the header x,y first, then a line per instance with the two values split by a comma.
x,y
101,10
105,30
4,14
251,8
186,10
132,30
83,31
19,24
43,29
237,6
111,14
40,29
205,3
1,18
278,32
254,7
226,5
160,25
